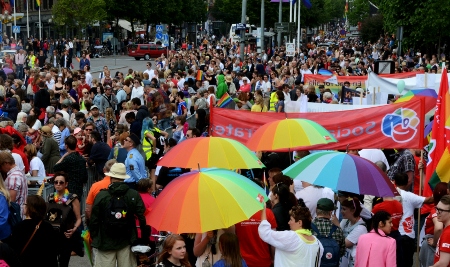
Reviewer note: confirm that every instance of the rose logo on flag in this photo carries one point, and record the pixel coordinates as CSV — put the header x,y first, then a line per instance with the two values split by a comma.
x,y
260,198
401,125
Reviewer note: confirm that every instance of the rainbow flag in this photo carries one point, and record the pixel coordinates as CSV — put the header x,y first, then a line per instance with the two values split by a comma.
x,y
224,100
439,148
38,2
199,75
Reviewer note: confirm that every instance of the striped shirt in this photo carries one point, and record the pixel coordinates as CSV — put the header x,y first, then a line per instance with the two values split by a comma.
x,y
15,180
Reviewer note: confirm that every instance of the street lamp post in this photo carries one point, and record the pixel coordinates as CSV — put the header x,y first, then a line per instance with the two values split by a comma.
x,y
114,41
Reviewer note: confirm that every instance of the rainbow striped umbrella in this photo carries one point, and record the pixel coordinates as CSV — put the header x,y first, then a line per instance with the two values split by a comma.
x,y
429,95
289,134
211,152
341,171
201,201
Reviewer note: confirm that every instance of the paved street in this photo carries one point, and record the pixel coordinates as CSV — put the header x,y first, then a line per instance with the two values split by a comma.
x,y
115,63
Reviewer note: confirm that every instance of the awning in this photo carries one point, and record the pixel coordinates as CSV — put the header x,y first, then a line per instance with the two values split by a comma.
x,y
125,24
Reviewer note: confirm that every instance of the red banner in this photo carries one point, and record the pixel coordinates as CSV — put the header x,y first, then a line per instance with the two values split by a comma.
x,y
389,126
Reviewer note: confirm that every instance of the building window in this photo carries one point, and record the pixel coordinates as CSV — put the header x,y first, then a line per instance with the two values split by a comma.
x,y
44,4
31,5
50,4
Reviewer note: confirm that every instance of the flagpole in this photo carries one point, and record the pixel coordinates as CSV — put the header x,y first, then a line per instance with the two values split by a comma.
x,y
290,10
290,17
40,33
298,27
15,34
295,11
28,24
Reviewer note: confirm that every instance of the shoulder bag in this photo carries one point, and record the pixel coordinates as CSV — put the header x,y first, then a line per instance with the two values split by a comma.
x,y
31,237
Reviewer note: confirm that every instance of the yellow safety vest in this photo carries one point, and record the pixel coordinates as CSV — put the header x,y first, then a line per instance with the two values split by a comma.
x,y
273,101
32,61
147,144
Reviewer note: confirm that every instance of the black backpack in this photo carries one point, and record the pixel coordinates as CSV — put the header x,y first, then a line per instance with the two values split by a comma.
x,y
61,216
117,218
14,216
330,256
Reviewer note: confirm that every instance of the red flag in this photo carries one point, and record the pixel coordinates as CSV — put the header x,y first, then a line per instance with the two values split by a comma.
x,y
438,155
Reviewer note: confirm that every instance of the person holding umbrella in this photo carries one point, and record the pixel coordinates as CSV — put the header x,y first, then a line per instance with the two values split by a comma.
x,y
297,247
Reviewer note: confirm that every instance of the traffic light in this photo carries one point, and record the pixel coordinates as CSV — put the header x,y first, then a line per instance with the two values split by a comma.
x,y
247,30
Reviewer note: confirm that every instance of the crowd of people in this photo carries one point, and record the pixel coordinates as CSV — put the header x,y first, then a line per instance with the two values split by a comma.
x,y
61,121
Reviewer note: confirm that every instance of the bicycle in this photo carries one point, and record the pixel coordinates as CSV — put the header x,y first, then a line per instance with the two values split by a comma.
x,y
105,51
141,252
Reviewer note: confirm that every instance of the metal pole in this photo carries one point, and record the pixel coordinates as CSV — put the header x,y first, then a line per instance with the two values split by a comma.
x,y
295,12
280,10
243,21
290,10
262,26
28,24
40,33
15,34
299,31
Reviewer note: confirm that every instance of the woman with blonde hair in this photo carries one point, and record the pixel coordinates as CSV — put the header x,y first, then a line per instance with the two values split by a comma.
x,y
127,108
84,98
5,199
111,119
37,168
259,104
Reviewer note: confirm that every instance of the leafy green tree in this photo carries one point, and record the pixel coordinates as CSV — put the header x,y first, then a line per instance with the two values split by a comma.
x,y
357,11
371,28
78,13
230,12
425,22
334,9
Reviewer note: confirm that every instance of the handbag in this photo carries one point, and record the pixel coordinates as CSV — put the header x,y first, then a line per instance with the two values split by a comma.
x,y
30,89
31,237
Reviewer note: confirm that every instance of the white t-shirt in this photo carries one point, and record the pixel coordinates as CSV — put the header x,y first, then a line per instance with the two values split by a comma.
x,y
151,73
37,125
410,201
18,160
37,164
312,194
66,116
374,155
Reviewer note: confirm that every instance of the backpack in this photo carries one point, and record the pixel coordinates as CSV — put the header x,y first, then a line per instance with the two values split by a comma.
x,y
330,257
14,216
117,221
60,216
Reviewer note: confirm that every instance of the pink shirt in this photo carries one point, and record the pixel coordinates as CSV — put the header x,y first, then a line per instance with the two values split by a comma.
x,y
374,250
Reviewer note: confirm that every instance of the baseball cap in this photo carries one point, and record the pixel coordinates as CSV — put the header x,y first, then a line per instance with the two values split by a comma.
x,y
94,106
325,204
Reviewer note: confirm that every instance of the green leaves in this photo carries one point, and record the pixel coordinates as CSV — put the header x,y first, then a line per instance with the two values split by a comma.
x,y
78,12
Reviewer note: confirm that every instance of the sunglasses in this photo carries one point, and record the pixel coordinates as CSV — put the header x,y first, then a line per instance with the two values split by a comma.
x,y
89,130
58,182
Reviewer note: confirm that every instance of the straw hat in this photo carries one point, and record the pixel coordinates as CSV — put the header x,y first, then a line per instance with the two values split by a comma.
x,y
46,131
228,79
118,171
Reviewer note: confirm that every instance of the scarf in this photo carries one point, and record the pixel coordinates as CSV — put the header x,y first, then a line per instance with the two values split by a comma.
x,y
304,231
